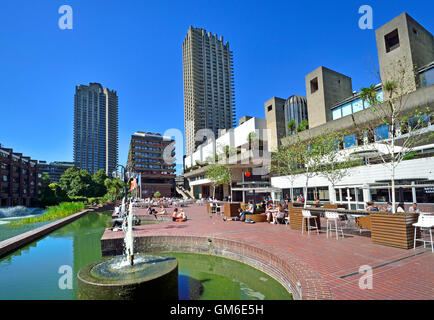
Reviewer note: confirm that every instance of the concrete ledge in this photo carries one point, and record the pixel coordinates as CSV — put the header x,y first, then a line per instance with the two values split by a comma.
x,y
14,243
297,277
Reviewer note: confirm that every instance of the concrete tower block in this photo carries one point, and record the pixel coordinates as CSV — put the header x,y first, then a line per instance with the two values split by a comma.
x,y
325,88
275,119
403,38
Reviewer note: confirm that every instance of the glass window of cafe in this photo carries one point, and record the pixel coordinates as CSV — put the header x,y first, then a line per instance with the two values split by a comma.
x,y
425,194
322,193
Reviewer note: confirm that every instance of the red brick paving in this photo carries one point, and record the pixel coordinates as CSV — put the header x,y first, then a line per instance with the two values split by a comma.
x,y
315,256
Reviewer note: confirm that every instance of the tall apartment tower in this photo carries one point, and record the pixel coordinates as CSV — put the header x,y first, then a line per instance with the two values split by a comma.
x,y
95,128
209,101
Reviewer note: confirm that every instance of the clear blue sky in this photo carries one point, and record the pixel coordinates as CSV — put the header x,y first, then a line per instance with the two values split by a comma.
x,y
135,48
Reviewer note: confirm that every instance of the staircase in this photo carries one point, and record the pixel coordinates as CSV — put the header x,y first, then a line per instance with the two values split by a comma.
x,y
184,193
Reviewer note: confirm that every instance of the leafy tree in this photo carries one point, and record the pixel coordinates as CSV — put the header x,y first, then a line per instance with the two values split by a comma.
x,y
335,163
50,193
77,182
219,175
299,157
284,163
114,189
99,178
291,126
405,128
304,125
67,177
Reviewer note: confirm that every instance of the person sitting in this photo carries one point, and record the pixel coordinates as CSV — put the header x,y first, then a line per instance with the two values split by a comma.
x,y
279,216
161,213
179,216
388,207
414,208
117,210
316,201
298,199
400,208
175,214
301,198
248,211
150,210
268,212
370,206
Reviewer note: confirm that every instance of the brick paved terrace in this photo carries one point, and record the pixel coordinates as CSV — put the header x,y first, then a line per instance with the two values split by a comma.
x,y
324,268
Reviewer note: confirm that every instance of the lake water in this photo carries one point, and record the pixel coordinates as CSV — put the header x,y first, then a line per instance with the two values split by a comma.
x,y
32,272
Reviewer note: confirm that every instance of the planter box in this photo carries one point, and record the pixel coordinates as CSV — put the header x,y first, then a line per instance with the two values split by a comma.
x,y
257,217
393,230
231,209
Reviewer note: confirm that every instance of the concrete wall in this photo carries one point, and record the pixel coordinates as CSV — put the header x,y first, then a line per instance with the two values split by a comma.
x,y
423,97
332,88
416,46
275,121
233,138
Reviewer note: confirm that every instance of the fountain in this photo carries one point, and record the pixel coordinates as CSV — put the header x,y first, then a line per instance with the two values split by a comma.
x,y
130,276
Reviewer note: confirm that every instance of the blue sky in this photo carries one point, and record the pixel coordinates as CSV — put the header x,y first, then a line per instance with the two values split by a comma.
x,y
135,48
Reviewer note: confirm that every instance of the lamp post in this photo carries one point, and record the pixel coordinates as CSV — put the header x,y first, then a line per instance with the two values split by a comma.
x,y
125,176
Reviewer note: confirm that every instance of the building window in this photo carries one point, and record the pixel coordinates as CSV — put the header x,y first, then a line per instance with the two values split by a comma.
x,y
427,78
382,132
270,108
425,195
419,122
350,141
313,85
392,40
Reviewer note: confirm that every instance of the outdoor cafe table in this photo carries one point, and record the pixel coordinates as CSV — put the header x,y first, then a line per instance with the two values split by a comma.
x,y
388,229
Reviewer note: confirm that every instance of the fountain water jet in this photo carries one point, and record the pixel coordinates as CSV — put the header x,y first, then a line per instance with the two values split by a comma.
x,y
138,276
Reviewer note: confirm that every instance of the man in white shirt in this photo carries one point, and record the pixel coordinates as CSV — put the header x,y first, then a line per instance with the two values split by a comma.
x,y
248,211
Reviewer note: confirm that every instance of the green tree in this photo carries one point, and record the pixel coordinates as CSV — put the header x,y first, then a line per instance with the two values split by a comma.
x,y
303,157
99,178
334,164
291,126
284,163
77,182
304,125
114,189
67,177
219,175
405,127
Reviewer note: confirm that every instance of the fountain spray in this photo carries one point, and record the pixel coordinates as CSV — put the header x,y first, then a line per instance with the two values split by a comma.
x,y
127,226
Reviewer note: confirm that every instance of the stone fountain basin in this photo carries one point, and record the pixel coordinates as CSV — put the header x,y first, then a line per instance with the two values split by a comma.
x,y
152,277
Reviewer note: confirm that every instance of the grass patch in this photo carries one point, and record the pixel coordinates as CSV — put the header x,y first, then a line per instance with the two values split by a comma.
x,y
60,211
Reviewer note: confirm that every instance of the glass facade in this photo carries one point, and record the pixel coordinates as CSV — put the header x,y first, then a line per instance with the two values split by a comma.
x,y
295,109
427,78
382,132
350,141
353,106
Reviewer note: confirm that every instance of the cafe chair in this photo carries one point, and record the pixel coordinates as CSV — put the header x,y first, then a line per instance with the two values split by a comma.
x,y
425,223
307,216
333,217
